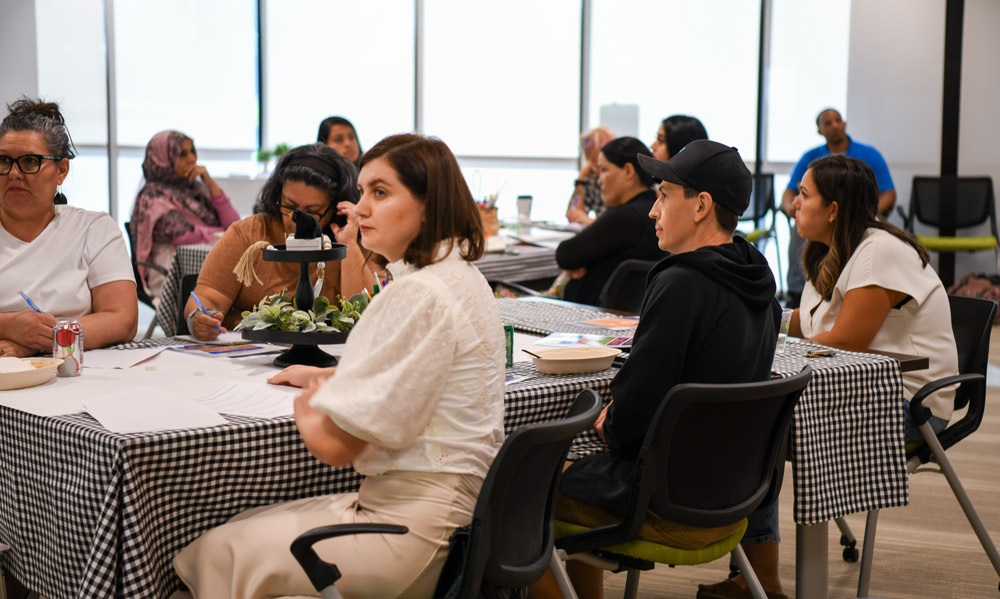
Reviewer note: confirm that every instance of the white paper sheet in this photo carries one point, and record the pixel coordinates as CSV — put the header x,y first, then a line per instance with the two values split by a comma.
x,y
118,358
252,399
147,409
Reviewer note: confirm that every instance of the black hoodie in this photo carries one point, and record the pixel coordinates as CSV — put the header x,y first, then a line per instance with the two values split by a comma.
x,y
708,316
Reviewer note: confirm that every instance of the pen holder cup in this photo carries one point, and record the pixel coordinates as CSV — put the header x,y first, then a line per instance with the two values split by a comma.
x,y
491,224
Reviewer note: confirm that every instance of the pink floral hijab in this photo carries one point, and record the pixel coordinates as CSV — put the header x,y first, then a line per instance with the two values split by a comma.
x,y
165,192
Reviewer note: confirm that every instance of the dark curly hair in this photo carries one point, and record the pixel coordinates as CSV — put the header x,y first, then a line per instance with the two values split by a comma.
x,y
342,187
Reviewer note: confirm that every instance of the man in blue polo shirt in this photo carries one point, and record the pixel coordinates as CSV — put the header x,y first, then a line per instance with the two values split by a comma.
x,y
832,127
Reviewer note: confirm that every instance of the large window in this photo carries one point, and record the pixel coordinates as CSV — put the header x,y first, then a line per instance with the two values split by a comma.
x,y
677,57
808,72
72,71
187,65
351,59
503,78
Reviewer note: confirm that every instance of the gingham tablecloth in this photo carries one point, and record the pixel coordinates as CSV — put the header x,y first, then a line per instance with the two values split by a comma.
x,y
529,263
848,453
89,513
187,261
543,318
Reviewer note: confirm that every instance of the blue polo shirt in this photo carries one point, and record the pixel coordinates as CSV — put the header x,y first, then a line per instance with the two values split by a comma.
x,y
855,149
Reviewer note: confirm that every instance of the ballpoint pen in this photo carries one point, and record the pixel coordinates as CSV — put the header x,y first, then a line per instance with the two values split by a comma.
x,y
30,303
204,311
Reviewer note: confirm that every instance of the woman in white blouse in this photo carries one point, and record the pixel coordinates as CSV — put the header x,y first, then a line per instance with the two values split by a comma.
x,y
416,403
869,284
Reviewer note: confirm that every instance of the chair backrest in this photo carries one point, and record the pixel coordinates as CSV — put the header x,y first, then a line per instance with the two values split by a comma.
x,y
140,289
972,197
627,286
712,452
512,525
761,199
188,283
972,323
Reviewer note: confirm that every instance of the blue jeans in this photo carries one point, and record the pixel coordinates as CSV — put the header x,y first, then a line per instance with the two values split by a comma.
x,y
762,524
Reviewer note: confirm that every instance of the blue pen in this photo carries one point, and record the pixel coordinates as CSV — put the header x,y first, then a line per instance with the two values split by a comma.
x,y
201,307
30,303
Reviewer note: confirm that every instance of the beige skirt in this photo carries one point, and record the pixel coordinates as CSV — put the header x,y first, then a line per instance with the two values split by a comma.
x,y
248,557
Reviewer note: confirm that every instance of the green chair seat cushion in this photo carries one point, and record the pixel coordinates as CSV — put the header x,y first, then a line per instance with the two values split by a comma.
x,y
664,554
958,244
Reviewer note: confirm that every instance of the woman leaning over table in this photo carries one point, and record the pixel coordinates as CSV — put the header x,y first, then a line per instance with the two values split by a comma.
x,y
179,204
868,284
621,232
71,262
416,403
313,178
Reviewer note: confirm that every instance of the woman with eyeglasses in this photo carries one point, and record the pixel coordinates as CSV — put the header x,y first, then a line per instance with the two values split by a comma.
x,y
71,263
179,204
315,179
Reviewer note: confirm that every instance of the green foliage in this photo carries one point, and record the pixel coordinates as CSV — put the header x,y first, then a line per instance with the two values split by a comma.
x,y
279,312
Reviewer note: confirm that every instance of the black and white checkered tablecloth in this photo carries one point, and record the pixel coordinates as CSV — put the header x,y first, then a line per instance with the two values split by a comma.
x,y
847,445
187,261
520,263
529,263
89,513
543,318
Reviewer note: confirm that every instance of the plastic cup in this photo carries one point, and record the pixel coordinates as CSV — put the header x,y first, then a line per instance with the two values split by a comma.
x,y
524,208
786,322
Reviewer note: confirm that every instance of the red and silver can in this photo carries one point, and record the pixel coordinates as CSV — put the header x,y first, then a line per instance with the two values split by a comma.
x,y
67,343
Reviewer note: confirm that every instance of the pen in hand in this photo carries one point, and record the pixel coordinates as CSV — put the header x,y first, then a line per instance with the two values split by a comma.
x,y
31,304
204,311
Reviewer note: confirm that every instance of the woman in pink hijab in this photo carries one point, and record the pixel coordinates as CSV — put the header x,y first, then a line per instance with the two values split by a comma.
x,y
180,204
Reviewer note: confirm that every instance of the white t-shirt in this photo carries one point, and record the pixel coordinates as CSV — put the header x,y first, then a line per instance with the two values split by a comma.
x,y
77,251
422,375
922,326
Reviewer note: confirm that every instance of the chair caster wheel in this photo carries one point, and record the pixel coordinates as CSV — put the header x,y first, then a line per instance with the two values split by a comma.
x,y
845,541
851,554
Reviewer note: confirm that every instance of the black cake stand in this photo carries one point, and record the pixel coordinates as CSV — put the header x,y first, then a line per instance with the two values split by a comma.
x,y
303,350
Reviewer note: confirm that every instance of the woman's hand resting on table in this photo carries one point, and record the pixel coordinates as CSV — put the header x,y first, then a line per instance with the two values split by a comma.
x,y
301,376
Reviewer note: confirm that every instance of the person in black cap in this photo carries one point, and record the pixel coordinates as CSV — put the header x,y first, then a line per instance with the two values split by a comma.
x,y
621,232
713,289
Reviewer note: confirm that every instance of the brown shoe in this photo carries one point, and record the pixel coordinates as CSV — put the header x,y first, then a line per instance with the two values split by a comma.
x,y
727,589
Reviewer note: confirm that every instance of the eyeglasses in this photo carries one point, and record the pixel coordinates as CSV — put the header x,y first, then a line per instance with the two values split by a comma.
x,y
289,210
28,164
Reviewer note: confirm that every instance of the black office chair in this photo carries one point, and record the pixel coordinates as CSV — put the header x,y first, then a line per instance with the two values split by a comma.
x,y
711,456
188,283
627,286
511,535
763,213
972,322
974,204
140,289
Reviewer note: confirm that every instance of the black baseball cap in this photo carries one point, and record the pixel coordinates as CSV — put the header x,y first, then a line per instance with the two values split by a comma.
x,y
707,166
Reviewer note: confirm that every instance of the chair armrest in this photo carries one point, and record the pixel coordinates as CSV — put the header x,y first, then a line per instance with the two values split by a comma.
x,y
918,411
155,267
322,574
907,218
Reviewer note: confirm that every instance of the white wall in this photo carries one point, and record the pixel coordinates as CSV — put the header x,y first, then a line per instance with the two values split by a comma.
x,y
895,89
894,85
19,66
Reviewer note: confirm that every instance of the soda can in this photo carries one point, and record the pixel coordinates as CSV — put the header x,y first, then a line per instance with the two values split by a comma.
x,y
508,332
67,343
